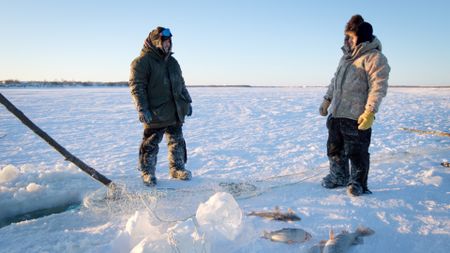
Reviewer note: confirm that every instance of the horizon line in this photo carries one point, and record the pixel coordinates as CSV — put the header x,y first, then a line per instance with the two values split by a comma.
x,y
125,83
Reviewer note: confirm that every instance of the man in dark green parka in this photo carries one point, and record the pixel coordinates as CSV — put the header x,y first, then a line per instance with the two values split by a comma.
x,y
162,101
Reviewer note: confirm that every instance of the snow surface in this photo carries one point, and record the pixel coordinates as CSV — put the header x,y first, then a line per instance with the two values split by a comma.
x,y
266,146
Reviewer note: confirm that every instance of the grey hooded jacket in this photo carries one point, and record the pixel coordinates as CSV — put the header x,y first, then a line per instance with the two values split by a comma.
x,y
360,82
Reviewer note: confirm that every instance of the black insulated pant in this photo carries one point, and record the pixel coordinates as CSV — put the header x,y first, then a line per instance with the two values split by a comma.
x,y
149,149
347,143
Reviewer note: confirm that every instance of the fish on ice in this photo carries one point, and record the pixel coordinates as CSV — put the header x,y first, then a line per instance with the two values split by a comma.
x,y
342,242
277,215
288,235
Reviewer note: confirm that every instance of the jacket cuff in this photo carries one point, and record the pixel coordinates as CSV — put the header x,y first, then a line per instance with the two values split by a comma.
x,y
326,97
370,108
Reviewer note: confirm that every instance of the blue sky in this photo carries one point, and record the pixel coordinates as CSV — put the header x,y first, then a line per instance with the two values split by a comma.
x,y
256,42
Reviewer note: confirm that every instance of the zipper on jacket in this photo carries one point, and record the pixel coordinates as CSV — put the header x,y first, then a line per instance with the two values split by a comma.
x,y
340,91
172,92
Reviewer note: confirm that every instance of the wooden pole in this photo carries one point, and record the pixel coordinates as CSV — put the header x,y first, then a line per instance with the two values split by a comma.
x,y
438,133
25,120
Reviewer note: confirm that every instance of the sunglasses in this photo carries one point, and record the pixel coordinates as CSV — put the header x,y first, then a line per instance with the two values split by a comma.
x,y
165,33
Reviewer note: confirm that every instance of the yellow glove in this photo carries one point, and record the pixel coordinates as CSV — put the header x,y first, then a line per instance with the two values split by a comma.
x,y
365,120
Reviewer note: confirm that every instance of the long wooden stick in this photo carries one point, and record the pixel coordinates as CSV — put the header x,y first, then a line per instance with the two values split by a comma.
x,y
25,120
439,133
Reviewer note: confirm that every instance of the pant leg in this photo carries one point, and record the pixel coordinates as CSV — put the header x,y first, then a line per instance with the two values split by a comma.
x,y
149,149
366,175
176,146
356,145
339,168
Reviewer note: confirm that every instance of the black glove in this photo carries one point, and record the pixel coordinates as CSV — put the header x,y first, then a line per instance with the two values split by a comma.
x,y
145,116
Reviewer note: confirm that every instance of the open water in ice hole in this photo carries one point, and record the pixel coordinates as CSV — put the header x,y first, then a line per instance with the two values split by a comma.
x,y
39,213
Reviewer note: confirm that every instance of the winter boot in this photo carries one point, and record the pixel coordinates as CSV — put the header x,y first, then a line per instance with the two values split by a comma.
x,y
180,174
354,190
148,179
330,183
366,190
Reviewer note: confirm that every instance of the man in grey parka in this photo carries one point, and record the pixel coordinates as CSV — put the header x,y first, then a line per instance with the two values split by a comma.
x,y
352,99
162,101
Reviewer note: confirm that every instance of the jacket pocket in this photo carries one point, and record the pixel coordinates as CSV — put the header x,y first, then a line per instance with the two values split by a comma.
x,y
184,106
161,112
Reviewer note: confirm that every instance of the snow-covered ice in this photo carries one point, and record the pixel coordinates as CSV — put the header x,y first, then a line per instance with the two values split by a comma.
x,y
266,146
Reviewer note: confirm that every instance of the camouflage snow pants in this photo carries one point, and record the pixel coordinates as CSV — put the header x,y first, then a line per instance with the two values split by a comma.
x,y
346,142
149,149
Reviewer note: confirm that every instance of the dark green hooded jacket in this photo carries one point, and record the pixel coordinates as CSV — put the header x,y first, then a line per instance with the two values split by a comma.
x,y
157,85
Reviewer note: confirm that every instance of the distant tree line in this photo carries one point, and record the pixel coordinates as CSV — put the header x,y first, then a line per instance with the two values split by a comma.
x,y
64,83
12,83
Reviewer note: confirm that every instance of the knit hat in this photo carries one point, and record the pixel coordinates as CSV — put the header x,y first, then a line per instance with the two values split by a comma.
x,y
353,23
364,33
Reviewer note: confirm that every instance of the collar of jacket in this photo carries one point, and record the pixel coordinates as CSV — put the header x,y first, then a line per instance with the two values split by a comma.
x,y
361,49
156,53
